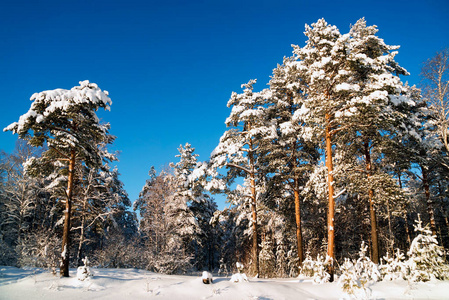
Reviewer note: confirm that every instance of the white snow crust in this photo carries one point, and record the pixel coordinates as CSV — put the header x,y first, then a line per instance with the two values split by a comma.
x,y
139,284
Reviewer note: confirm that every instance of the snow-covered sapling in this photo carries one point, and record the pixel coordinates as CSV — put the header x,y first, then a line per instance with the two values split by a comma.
x,y
239,266
348,280
425,256
366,270
84,272
394,267
239,277
306,270
207,277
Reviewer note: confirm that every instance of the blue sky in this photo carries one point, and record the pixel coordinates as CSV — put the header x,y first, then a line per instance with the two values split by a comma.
x,y
170,66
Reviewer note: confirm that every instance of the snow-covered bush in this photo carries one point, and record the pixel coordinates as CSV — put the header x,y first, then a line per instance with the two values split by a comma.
x,y
315,268
267,259
292,263
239,277
84,272
356,274
170,263
348,280
306,269
425,256
320,274
365,268
207,277
394,267
239,266
39,249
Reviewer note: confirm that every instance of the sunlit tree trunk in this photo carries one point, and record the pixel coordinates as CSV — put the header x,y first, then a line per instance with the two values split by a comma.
x,y
372,210
298,223
331,205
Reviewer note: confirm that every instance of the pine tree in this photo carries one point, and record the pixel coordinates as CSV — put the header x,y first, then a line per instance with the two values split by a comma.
x,y
66,121
238,150
373,91
321,62
288,156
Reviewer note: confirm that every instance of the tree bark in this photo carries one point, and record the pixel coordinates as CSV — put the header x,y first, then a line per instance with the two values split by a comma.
x,y
68,206
372,209
252,173
254,216
298,223
331,208
425,181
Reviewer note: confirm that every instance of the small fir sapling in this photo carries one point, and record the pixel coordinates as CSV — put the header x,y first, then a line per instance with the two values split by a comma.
x,y
239,277
355,275
320,274
365,268
84,272
306,270
394,267
316,268
425,256
239,266
348,280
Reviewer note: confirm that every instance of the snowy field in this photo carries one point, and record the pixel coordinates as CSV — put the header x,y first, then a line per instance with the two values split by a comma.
x,y
138,284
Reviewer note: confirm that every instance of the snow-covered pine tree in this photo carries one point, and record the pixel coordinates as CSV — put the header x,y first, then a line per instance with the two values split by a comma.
x,y
66,122
199,204
372,90
238,149
420,135
288,157
321,64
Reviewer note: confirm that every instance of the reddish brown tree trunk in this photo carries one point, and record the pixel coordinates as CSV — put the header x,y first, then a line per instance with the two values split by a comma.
x,y
331,208
298,223
68,206
372,210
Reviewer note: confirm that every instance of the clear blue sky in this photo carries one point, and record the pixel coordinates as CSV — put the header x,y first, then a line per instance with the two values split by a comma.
x,y
170,66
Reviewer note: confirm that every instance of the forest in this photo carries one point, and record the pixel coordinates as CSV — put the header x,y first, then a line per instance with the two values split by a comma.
x,y
337,159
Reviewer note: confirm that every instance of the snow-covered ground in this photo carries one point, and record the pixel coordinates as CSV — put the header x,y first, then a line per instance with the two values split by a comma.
x,y
125,284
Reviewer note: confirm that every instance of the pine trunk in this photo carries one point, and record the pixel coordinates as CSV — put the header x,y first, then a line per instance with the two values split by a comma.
x,y
331,208
66,231
372,210
298,224
254,214
425,181
255,247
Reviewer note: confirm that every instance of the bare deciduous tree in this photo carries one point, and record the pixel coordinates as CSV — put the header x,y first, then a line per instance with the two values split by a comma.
x,y
435,75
